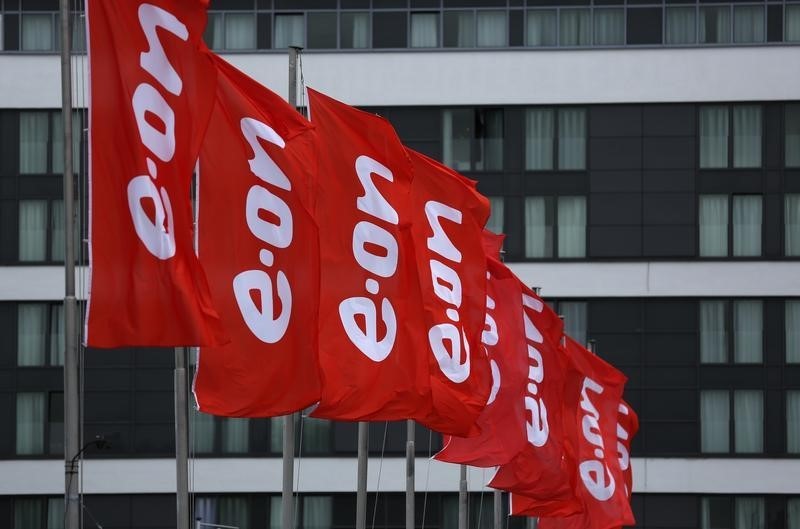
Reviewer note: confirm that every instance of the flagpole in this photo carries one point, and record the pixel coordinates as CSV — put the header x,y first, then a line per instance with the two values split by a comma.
x,y
181,439
498,509
361,493
72,431
409,474
462,499
287,510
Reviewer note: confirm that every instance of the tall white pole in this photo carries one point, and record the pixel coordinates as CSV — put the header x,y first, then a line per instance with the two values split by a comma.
x,y
462,499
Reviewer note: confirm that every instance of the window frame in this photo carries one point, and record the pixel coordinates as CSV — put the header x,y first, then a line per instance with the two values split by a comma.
x,y
730,155
556,112
732,449
477,144
729,254
729,319
553,200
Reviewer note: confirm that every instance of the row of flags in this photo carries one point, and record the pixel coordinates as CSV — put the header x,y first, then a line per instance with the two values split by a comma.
x,y
330,266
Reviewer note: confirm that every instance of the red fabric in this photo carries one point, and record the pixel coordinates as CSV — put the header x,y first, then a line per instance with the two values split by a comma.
x,y
152,93
372,336
492,244
627,427
539,470
448,217
259,246
502,422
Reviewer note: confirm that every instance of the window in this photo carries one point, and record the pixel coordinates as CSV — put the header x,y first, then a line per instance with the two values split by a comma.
x,y
289,31
492,29
41,148
459,29
714,222
746,322
40,334
473,139
231,511
792,134
748,24
354,30
38,32
231,31
792,23
723,512
479,511
575,27
575,319
793,422
312,435
41,230
33,513
793,513
681,25
791,214
715,25
495,222
792,322
322,30
541,29
715,142
40,423
555,227
609,27
316,512
747,421
227,435
424,30
541,129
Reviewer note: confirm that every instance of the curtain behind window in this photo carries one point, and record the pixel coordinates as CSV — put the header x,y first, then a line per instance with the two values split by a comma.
x,y
680,25
205,510
495,222
316,435
713,337
490,135
609,27
748,24
541,28
55,513
749,513
354,30
713,136
792,225
713,219
792,322
492,29
715,513
459,29
571,226
233,511
538,227
317,512
202,432
57,220
275,510
457,138
31,333
748,421
27,513
240,31
30,423
715,25
571,138
33,133
748,328
575,319
792,23
539,139
32,230
714,421
214,35
747,225
793,423
792,147
575,27
57,150
37,32
235,435
747,136
57,343
793,513
288,31
424,30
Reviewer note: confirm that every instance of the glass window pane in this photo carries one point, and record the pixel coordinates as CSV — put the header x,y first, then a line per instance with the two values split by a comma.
x,y
55,421
289,31
495,222
715,513
714,422
202,429
575,27
681,25
791,31
28,513
748,421
538,227
37,32
572,138
747,136
541,28
55,513
492,29
355,30
316,435
233,511
240,31
235,435
321,30
793,423
57,151
459,29
609,27
571,226
30,423
317,512
792,322
748,337
749,513
715,24
31,333
489,132
713,136
33,135
792,135
747,225
275,512
78,36
713,220
32,230
424,30
57,343
791,214
793,513
713,336
748,23
575,319
214,35
276,434
457,131
539,127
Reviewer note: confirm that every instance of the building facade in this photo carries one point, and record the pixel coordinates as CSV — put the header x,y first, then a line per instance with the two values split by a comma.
x,y
643,158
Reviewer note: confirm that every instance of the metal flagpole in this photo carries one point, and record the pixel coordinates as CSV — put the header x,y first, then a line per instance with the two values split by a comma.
x,y
498,509
287,509
181,438
591,346
462,499
72,431
361,494
410,474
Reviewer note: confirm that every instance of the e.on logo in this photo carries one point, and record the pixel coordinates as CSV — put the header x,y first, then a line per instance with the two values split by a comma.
x,y
148,102
453,361
376,252
490,338
262,321
622,451
537,427
594,472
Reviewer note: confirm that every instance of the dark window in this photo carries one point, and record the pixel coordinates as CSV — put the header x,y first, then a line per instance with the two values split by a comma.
x,y
322,30
389,29
555,139
354,30
473,139
555,227
644,25
39,423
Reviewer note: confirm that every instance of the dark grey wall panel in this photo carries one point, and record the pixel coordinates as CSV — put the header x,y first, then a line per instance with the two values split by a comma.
x,y
669,241
620,350
673,180
670,315
615,153
669,153
668,120
671,377
615,209
621,181
615,241
615,121
670,438
662,349
670,511
671,405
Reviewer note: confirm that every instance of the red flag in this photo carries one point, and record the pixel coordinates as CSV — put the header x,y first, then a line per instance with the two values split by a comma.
x,y
492,244
259,246
152,93
539,470
627,426
372,337
502,422
448,218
